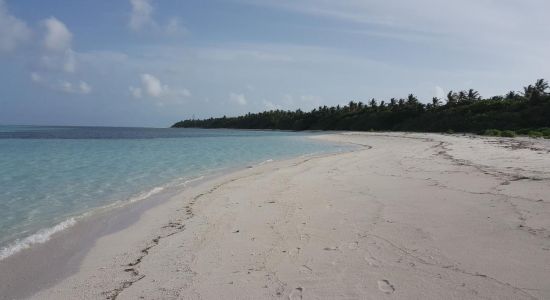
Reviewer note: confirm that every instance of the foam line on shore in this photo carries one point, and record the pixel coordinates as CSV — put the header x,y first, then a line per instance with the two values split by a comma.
x,y
40,237
43,235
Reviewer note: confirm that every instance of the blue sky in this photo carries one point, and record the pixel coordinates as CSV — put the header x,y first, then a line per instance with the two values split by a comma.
x,y
154,62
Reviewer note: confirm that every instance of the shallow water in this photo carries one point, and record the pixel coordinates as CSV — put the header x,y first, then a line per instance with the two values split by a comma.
x,y
49,175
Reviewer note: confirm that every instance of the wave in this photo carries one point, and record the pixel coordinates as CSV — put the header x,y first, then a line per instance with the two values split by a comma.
x,y
40,237
265,162
45,234
188,181
147,194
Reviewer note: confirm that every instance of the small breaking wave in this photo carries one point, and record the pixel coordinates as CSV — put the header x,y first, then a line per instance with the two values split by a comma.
x,y
188,181
40,237
265,162
147,194
45,234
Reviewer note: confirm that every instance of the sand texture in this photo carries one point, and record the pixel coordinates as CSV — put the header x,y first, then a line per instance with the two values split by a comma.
x,y
405,216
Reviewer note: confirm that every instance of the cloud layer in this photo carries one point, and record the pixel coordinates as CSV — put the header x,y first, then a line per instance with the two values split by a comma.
x,y
141,14
58,38
13,31
49,56
250,55
141,19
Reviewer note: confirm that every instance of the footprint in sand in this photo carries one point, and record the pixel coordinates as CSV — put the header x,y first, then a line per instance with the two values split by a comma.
x,y
305,269
371,261
385,286
296,294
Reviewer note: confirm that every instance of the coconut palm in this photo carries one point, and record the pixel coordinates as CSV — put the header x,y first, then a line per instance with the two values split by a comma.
x,y
452,98
541,86
473,95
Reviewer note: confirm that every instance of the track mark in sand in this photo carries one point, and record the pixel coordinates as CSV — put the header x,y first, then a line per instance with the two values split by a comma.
x,y
354,245
176,227
296,294
114,293
452,267
371,261
305,269
385,286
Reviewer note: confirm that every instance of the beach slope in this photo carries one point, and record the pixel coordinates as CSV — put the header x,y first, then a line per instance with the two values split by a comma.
x,y
404,216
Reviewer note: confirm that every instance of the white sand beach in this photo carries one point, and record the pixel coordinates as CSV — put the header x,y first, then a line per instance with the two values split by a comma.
x,y
405,216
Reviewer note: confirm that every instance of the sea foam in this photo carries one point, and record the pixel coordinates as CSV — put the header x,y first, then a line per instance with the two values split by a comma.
x,y
40,237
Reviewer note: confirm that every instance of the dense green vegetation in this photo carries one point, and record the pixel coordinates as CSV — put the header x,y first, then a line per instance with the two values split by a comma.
x,y
526,112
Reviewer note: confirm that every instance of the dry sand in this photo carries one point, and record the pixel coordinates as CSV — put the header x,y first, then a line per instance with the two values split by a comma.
x,y
406,216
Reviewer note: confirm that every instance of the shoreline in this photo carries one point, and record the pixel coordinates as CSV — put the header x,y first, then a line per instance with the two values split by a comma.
x,y
61,254
42,235
273,223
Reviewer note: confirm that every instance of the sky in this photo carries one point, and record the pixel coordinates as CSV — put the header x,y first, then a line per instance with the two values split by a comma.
x,y
155,62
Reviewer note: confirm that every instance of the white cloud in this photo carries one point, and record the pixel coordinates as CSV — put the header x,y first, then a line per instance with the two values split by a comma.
x,y
36,77
141,14
64,61
141,17
468,24
12,30
75,88
136,92
183,93
152,86
238,98
63,85
84,87
58,37
70,61
174,27
57,43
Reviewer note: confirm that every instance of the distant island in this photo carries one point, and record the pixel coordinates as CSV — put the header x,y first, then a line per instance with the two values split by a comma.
x,y
526,112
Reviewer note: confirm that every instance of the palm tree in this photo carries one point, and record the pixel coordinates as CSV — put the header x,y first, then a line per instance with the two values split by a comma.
x,y
462,96
351,106
411,99
452,98
473,95
511,95
373,103
530,92
541,86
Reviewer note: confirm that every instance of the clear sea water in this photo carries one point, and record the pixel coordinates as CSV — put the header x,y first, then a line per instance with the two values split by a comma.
x,y
49,176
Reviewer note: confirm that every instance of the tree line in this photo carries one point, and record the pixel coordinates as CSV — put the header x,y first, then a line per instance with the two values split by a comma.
x,y
462,111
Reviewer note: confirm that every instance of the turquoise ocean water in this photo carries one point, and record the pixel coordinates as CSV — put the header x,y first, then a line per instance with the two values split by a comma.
x,y
52,176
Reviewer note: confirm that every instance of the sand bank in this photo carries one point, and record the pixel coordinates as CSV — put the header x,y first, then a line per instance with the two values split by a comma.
x,y
406,216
